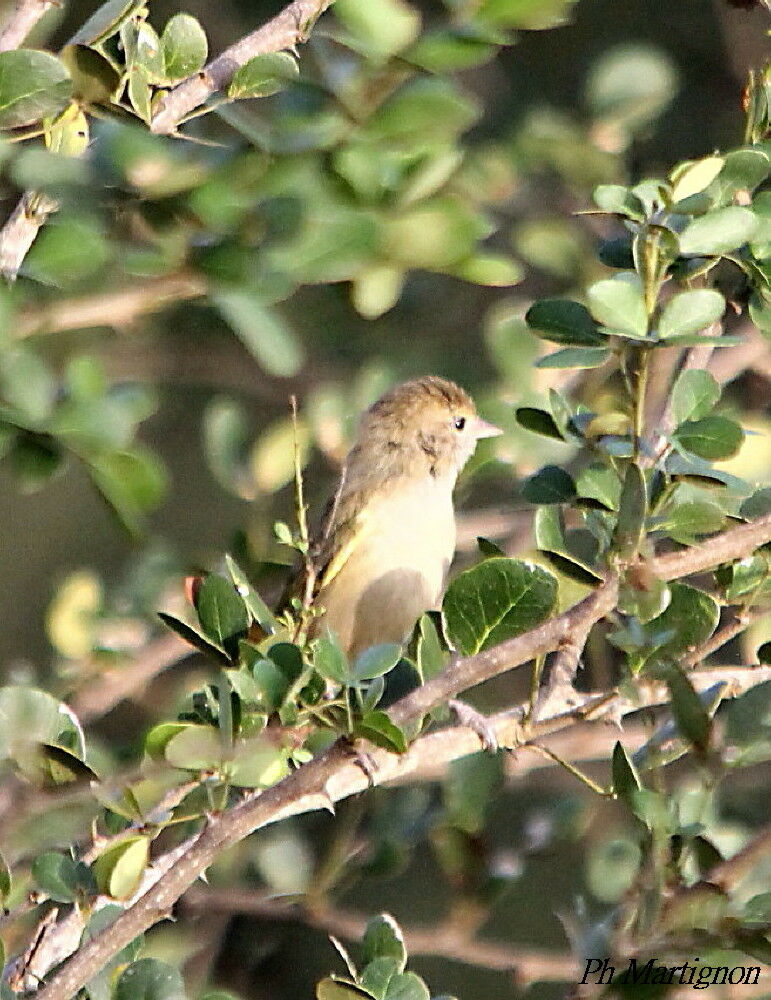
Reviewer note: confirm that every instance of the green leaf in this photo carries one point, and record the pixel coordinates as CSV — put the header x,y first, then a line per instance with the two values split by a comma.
x,y
693,177
272,684
618,200
27,384
692,518
94,79
120,868
598,482
195,748
33,85
258,763
380,28
376,661
383,938
712,437
612,866
158,737
132,482
423,113
195,638
257,608
61,878
436,234
330,660
263,75
757,910
430,655
332,989
575,357
376,727
149,979
496,600
748,723
692,469
184,47
530,15
718,232
550,485
690,312
495,270
689,620
377,289
28,715
222,613
6,881
377,974
538,421
449,50
619,305
564,322
226,439
106,21
691,716
407,986
632,511
64,766
472,786
694,394
262,331
757,505
625,777
630,85
139,93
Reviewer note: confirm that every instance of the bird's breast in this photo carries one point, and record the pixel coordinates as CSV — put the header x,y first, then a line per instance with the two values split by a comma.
x,y
398,569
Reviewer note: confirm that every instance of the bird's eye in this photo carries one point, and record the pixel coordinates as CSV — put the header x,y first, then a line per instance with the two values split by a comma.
x,y
460,423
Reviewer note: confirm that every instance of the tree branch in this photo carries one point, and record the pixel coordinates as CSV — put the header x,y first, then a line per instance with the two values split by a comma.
x,y
98,697
19,232
25,16
333,775
445,940
286,30
117,308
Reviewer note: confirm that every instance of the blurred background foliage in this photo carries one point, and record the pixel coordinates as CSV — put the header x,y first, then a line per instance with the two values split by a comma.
x,y
392,209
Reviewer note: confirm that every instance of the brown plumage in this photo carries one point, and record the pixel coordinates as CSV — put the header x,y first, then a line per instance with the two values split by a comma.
x,y
386,541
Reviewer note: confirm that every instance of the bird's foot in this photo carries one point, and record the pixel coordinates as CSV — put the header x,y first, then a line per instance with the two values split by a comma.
x,y
476,722
365,762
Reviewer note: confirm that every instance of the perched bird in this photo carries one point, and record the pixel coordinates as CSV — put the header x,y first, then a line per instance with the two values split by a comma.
x,y
388,536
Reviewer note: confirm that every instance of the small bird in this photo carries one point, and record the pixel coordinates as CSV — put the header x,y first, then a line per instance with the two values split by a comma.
x,y
387,538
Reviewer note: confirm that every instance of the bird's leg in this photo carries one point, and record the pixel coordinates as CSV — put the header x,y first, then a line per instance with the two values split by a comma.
x,y
476,722
365,761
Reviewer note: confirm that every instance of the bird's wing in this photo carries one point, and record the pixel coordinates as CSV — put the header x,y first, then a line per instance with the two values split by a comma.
x,y
343,541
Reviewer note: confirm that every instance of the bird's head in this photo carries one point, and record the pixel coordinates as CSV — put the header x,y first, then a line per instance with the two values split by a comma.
x,y
428,426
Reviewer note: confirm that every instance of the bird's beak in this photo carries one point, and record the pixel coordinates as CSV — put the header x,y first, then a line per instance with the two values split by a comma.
x,y
484,430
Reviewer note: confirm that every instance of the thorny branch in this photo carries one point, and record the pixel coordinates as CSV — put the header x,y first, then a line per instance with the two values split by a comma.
x,y
333,776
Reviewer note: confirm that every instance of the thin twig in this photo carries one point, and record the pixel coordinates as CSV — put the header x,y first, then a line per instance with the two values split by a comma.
x,y
117,308
445,940
101,695
286,30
